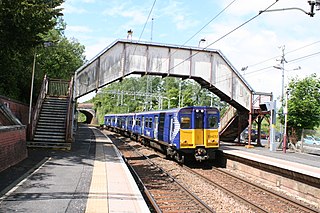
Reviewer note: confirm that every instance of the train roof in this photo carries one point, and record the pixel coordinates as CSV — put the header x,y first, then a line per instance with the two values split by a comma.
x,y
165,110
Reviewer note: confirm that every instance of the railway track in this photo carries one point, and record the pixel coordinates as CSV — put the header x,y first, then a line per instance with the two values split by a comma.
x,y
205,182
164,192
257,197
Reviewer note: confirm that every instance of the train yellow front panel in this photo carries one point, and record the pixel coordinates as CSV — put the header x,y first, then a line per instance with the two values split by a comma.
x,y
198,137
186,138
211,138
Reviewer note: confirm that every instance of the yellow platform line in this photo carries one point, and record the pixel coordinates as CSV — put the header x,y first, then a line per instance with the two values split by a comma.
x,y
98,194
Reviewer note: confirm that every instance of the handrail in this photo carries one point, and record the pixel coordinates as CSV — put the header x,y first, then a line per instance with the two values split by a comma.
x,y
37,108
69,118
58,87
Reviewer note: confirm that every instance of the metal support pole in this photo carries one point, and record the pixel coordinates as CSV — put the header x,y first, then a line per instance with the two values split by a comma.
x,y
250,123
284,148
179,94
272,127
32,80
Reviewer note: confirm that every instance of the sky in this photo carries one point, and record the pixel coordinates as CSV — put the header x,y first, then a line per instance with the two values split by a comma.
x,y
252,43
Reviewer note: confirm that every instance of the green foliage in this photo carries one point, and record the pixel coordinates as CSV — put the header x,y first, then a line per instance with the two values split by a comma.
x,y
21,24
25,27
150,93
304,103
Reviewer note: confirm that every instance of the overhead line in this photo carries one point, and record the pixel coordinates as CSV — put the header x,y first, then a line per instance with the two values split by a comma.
x,y
216,16
312,54
296,59
241,25
198,32
145,24
252,65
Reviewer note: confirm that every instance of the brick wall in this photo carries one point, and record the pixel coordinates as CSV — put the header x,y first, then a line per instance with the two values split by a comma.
x,y
20,110
12,145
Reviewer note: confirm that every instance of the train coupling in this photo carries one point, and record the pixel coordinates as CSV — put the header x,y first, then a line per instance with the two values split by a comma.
x,y
201,154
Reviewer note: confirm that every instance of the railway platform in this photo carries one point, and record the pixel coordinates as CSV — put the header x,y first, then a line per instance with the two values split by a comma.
x,y
92,177
292,173
303,163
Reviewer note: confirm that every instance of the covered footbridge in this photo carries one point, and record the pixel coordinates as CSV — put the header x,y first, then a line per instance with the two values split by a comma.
x,y
208,67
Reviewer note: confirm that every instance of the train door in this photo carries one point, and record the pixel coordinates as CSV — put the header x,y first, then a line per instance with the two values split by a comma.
x,y
199,127
171,127
155,127
161,126
142,125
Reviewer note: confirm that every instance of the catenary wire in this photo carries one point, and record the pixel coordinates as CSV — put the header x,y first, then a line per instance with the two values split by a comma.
x,y
261,62
225,35
216,16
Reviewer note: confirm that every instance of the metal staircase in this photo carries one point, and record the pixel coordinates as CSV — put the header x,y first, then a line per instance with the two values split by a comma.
x,y
51,127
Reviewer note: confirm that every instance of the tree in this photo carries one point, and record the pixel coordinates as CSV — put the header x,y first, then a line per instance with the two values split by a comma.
x,y
131,95
303,104
22,24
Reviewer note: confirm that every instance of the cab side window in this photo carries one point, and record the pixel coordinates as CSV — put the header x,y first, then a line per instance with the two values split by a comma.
x,y
185,122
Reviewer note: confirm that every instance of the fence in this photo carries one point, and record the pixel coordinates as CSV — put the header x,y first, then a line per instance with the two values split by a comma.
x,y
309,142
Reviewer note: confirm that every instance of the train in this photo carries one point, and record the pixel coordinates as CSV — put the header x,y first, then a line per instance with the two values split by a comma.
x,y
181,133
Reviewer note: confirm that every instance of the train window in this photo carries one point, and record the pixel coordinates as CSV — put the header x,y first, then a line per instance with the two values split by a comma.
x,y
199,120
138,122
146,123
213,122
185,122
150,123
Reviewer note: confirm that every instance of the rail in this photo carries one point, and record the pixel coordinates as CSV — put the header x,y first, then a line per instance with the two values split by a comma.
x,y
37,108
69,119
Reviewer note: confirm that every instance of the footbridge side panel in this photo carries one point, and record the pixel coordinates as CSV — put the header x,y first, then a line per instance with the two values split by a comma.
x,y
124,57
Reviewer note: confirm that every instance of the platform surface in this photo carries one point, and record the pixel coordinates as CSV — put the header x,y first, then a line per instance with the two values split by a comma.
x,y
92,177
308,164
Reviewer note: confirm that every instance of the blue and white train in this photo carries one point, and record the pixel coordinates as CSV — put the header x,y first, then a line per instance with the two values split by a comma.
x,y
180,133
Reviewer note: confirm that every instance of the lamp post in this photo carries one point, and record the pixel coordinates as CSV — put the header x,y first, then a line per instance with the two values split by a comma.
x,y
45,44
32,80
129,35
201,40
285,107
179,94
284,148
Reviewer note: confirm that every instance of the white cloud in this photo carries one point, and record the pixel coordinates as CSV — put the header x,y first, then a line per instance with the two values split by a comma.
x,y
137,15
100,44
71,9
180,15
251,45
79,29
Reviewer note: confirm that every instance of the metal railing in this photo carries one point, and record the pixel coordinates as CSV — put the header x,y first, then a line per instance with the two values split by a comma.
x,y
57,88
227,117
69,120
37,108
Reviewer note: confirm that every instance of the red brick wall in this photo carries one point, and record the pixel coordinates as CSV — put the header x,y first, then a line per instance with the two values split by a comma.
x,y
12,145
20,110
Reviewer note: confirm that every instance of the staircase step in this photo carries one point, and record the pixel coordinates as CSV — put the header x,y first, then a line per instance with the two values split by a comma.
x,y
51,139
53,129
49,133
50,122
51,114
57,118
54,108
52,145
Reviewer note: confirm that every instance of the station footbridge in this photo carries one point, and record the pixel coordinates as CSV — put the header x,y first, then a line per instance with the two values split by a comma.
x,y
209,67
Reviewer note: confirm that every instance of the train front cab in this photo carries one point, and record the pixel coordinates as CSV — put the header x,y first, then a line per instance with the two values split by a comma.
x,y
199,132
